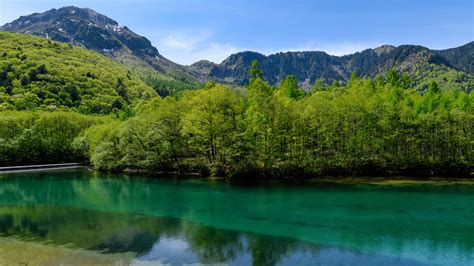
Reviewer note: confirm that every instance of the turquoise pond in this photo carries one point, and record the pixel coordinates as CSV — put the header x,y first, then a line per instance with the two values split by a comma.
x,y
138,220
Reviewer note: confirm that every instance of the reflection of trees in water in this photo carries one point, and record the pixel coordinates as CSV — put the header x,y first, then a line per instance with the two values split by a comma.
x,y
269,251
116,233
231,207
6,224
129,239
25,226
211,244
109,232
216,245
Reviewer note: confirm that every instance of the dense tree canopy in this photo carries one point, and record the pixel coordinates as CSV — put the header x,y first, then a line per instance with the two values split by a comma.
x,y
167,86
381,126
36,73
367,127
43,137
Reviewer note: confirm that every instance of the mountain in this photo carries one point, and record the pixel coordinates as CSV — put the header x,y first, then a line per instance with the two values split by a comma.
x,y
461,57
452,67
89,29
37,73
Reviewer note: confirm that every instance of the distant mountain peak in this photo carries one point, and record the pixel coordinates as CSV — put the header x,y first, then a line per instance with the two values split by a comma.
x,y
90,29
203,63
56,16
386,48
84,27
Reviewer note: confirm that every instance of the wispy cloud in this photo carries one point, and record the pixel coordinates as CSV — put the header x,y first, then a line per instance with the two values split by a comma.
x,y
215,52
188,48
174,43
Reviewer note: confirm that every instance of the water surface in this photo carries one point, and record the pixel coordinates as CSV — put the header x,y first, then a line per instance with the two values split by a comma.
x,y
80,217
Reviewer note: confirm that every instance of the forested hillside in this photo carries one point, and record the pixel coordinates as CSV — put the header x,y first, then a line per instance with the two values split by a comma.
x,y
36,73
86,28
381,126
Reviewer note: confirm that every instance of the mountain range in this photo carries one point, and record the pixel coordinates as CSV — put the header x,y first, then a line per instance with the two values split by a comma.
x,y
84,27
310,66
89,29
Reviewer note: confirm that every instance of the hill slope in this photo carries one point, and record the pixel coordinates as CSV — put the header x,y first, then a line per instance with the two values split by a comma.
x,y
39,73
460,57
451,68
89,29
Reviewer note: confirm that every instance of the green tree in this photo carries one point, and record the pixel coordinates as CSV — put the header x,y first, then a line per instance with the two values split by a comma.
x,y
318,86
393,78
289,87
254,71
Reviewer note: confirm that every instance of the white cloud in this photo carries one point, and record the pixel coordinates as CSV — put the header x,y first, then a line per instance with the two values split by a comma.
x,y
216,52
174,43
188,48
185,41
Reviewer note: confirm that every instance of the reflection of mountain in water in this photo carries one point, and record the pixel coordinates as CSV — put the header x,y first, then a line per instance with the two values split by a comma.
x,y
165,240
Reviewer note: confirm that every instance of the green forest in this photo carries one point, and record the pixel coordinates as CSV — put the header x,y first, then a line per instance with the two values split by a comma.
x,y
40,74
369,126
61,103
362,128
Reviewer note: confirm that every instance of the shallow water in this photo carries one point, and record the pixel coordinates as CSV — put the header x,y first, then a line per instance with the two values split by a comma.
x,y
80,217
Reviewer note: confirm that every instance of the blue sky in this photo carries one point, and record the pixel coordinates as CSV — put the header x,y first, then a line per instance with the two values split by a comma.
x,y
186,31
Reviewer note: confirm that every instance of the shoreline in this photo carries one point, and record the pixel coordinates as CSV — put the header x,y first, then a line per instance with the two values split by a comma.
x,y
22,252
337,178
336,175
342,179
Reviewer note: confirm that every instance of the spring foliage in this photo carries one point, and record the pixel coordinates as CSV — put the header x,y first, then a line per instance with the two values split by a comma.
x,y
366,127
36,73
43,137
